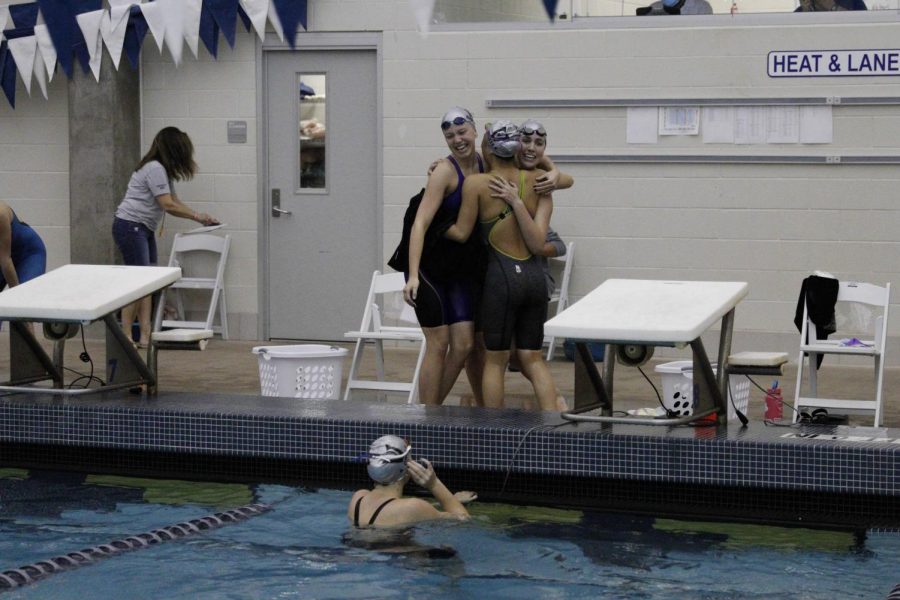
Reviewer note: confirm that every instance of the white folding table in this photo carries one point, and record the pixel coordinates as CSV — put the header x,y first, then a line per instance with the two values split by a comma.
x,y
63,300
653,313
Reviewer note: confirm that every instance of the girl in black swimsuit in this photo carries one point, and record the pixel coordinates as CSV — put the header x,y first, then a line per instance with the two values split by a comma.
x,y
385,506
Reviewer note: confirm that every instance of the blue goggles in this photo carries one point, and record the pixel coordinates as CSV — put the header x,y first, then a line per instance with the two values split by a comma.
x,y
456,121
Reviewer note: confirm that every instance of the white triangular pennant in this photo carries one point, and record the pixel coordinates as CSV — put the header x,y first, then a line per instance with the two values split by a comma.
x,y
257,11
23,50
423,10
192,24
47,49
155,22
173,16
113,32
91,24
276,23
117,3
40,72
118,13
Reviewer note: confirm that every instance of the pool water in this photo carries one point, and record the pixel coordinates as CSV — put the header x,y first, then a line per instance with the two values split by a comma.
x,y
303,548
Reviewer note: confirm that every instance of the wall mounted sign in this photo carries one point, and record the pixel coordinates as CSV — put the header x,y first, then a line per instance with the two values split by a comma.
x,y
833,63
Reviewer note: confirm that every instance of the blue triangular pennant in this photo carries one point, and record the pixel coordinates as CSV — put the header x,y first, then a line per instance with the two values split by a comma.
x,y
290,13
24,15
550,7
59,20
225,14
135,31
244,17
209,31
7,74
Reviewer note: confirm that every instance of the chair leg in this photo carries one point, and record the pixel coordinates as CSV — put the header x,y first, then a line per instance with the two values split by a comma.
x,y
799,385
379,359
879,382
211,311
354,368
813,372
223,314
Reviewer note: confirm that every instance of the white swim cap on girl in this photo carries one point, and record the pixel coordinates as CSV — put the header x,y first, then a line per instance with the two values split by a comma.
x,y
503,139
532,127
387,459
457,116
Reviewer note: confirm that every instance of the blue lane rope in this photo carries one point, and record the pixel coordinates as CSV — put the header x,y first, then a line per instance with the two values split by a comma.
x,y
15,578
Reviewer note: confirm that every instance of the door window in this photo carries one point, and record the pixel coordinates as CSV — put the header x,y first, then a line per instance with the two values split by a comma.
x,y
312,127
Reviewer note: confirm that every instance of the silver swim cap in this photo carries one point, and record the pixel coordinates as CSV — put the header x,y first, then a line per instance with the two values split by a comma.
x,y
503,139
457,116
532,127
387,459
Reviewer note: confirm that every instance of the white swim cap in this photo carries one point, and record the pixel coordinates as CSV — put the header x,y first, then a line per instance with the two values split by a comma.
x,y
457,116
503,138
387,459
532,127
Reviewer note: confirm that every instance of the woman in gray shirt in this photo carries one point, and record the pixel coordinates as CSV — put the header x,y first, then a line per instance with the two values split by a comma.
x,y
150,195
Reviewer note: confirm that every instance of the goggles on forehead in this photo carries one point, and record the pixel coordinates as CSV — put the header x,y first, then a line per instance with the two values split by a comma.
x,y
456,121
385,458
533,129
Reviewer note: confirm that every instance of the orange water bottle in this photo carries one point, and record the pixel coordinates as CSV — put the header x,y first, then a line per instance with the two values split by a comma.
x,y
774,403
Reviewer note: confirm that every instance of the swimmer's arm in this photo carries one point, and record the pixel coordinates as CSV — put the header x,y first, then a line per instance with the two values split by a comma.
x,y
7,267
553,245
437,184
175,207
468,211
423,474
553,179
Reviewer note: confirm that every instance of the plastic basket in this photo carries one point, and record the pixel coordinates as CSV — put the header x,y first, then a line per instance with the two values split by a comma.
x,y
678,389
302,371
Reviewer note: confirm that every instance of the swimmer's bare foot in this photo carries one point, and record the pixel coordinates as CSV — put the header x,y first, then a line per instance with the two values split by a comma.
x,y
467,400
561,404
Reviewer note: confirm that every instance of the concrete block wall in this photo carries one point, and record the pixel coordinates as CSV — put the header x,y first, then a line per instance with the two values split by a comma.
x,y
770,225
200,96
34,163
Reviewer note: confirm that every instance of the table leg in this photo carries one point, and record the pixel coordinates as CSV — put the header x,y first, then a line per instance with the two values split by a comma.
x,y
592,391
124,364
28,360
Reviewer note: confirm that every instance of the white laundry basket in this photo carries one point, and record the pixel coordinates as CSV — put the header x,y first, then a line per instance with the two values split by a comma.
x,y
678,389
301,371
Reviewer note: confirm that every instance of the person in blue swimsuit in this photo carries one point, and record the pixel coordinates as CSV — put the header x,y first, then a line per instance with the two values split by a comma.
x,y
23,255
514,305
391,467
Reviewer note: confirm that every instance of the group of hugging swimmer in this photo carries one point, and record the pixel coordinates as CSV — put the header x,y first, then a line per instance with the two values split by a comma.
x,y
480,296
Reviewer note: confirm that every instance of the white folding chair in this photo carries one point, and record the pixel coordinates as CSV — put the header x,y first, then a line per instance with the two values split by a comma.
x,y
561,295
202,259
372,329
873,348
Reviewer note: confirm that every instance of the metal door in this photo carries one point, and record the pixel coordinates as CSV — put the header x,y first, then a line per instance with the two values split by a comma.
x,y
322,213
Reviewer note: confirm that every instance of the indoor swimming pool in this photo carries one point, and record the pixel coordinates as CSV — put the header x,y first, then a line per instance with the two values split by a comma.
x,y
303,547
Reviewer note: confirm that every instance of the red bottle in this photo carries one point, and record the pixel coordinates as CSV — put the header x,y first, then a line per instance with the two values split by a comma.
x,y
774,403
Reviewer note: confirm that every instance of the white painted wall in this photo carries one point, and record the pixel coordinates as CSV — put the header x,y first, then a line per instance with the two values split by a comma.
x,y
200,96
34,163
769,225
